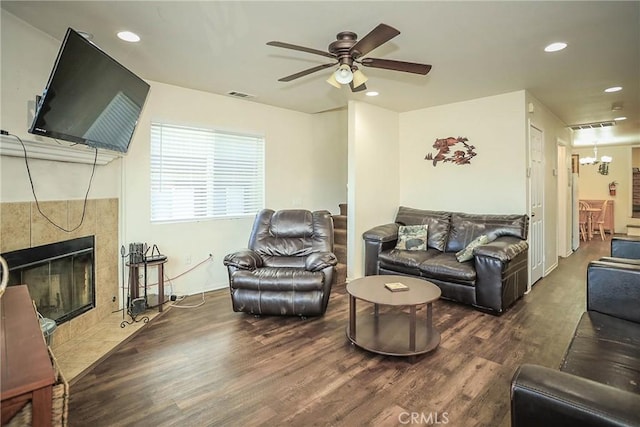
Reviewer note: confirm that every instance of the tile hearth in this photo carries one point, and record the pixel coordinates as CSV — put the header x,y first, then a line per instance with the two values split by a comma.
x,y
80,354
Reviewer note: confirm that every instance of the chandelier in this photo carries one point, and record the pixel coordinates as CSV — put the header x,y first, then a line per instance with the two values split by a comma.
x,y
603,162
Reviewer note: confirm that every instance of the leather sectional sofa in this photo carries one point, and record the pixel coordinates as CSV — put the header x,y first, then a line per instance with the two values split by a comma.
x,y
625,247
492,280
598,383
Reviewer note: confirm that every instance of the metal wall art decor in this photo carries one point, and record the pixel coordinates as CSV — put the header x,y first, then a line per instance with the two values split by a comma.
x,y
444,146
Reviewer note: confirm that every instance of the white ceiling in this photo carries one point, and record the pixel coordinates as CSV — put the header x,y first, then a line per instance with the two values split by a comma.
x,y
476,48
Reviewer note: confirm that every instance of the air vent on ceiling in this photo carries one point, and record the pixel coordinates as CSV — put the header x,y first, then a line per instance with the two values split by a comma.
x,y
594,125
240,94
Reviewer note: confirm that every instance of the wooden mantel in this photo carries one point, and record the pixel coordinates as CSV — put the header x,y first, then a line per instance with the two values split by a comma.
x,y
50,150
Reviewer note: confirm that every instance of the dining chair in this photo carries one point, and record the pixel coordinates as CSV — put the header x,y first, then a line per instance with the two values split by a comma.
x,y
583,218
601,218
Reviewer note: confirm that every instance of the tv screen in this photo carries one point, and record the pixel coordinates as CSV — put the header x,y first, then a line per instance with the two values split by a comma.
x,y
90,98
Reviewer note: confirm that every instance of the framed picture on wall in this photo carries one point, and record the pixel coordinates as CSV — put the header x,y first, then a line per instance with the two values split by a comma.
x,y
575,163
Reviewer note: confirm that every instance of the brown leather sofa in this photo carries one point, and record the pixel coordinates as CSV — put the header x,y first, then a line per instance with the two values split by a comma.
x,y
288,268
493,280
598,383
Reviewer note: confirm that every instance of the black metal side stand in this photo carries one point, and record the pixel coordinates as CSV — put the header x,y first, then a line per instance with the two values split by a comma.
x,y
135,306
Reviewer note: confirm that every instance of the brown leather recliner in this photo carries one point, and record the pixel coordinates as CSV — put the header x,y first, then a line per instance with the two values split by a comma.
x,y
288,268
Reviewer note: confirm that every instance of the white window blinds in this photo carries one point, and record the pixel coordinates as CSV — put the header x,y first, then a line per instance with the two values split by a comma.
x,y
203,173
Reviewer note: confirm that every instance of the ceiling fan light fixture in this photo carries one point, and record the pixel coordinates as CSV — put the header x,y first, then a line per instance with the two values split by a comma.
x,y
588,160
359,78
333,82
343,74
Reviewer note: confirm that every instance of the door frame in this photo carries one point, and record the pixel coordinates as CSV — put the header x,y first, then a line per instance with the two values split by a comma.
x,y
532,124
564,182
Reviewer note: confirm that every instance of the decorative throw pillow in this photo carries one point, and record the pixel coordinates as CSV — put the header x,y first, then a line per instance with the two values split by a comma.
x,y
412,238
467,253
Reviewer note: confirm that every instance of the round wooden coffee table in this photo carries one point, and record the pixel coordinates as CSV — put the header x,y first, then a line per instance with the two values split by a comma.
x,y
393,332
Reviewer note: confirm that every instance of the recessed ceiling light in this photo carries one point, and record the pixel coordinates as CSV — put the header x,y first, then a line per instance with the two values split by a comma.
x,y
372,93
128,36
554,47
613,89
617,119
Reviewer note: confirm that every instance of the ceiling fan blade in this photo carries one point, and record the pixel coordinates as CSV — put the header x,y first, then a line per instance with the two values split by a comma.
x,y
359,88
301,49
389,64
307,71
376,37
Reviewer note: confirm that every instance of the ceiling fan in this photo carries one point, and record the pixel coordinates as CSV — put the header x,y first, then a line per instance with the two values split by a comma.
x,y
347,52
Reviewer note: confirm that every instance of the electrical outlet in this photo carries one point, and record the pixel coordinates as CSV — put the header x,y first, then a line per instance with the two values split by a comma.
x,y
187,259
113,298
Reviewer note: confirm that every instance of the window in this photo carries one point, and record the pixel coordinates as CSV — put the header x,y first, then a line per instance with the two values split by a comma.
x,y
204,173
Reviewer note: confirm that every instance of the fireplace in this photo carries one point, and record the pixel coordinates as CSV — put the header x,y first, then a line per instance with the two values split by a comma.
x,y
60,276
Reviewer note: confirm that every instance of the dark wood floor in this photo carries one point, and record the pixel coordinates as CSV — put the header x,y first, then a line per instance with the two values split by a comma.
x,y
212,367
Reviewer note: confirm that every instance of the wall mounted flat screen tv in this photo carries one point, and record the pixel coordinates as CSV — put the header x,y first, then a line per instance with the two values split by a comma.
x,y
90,98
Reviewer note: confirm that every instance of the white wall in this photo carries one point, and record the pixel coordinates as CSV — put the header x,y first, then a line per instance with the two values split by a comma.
x,y
306,160
495,180
27,58
305,168
328,159
306,163
373,176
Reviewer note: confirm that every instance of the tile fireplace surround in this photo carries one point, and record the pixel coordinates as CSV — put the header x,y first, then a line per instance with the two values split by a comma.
x,y
22,226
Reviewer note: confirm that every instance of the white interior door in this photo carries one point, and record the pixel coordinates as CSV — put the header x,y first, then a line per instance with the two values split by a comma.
x,y
536,205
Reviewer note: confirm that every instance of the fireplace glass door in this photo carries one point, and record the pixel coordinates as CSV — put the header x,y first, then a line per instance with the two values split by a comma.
x,y
60,277
61,286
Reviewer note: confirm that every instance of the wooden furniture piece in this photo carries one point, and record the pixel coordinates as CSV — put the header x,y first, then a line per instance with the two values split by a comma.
x,y
393,332
609,223
134,285
26,368
589,213
583,219
602,218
